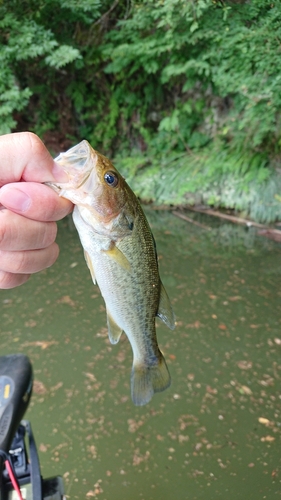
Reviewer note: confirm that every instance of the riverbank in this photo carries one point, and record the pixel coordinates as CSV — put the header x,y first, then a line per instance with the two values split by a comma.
x,y
212,178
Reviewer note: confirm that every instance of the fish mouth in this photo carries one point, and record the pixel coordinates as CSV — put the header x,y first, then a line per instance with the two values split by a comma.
x,y
78,163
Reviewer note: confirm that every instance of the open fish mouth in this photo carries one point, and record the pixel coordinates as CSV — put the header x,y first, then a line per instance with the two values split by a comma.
x,y
78,163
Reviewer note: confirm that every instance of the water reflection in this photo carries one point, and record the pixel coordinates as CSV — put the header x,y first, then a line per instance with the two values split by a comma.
x,y
216,431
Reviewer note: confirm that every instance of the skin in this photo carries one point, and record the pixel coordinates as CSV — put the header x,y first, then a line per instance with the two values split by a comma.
x,y
28,209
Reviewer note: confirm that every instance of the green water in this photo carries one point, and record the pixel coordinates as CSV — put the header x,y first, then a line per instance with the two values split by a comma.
x,y
215,433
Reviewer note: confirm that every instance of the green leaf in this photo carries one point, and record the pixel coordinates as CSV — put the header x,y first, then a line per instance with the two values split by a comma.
x,y
62,55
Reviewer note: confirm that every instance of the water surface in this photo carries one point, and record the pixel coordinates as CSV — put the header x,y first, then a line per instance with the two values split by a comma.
x,y
215,433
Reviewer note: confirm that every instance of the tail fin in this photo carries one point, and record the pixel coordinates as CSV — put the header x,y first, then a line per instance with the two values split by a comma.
x,y
146,380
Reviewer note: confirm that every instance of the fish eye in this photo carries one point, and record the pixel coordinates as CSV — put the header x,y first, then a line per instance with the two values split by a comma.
x,y
111,179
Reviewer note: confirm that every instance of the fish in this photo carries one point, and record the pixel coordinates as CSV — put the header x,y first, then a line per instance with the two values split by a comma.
x,y
120,252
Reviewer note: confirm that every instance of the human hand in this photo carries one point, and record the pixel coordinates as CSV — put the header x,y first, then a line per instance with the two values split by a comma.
x,y
28,208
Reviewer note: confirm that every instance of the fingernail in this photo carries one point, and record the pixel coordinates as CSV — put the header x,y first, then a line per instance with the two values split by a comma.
x,y
14,199
59,174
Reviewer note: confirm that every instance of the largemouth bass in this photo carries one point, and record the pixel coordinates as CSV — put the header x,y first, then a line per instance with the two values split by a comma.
x,y
120,252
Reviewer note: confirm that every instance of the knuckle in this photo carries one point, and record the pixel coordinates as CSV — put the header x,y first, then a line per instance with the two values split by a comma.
x,y
10,280
28,141
2,235
52,208
27,262
54,229
5,280
33,261
32,141
54,253
49,234
19,262
4,227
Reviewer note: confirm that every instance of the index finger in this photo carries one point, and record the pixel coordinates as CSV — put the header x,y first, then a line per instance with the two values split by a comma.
x,y
23,156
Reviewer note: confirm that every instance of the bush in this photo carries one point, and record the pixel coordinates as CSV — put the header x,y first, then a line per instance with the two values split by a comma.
x,y
154,79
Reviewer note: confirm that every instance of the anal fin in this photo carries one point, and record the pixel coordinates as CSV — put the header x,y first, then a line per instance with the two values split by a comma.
x,y
114,331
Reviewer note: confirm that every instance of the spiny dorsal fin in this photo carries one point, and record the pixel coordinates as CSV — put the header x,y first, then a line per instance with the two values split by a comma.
x,y
165,311
116,254
114,331
90,266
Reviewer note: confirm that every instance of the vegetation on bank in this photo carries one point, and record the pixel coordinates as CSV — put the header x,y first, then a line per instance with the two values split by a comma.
x,y
185,95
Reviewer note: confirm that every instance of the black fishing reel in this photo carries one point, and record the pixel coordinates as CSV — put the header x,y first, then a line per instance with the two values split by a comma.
x,y
20,476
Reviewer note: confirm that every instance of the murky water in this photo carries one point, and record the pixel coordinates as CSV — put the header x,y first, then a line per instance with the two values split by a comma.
x,y
215,433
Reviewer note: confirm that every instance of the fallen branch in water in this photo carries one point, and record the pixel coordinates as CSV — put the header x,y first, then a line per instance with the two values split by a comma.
x,y
231,218
188,219
268,232
272,234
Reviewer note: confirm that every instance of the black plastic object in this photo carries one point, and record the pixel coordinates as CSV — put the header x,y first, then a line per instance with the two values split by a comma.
x,y
15,392
18,455
27,471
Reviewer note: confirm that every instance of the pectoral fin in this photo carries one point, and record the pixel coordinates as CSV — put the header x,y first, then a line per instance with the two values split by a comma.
x,y
116,254
90,266
114,331
165,311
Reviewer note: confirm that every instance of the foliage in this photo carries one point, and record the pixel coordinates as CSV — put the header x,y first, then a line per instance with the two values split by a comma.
x,y
218,177
40,53
202,69
189,91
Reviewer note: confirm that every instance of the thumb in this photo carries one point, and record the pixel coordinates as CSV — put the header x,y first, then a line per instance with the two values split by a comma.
x,y
23,157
